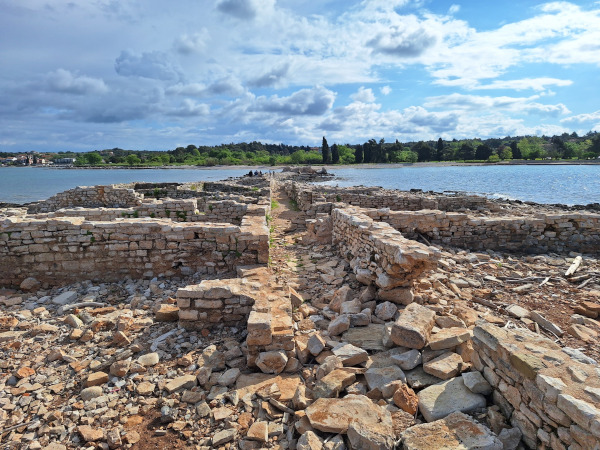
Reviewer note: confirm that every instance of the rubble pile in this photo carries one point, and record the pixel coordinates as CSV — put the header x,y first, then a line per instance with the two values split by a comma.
x,y
354,337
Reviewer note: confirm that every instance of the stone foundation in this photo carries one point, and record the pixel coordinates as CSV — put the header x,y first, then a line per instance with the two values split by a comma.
x,y
550,396
58,251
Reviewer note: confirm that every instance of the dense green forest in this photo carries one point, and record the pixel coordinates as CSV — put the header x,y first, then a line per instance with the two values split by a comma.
x,y
565,147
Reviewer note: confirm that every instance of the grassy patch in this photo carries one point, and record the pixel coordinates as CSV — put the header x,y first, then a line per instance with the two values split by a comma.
x,y
294,205
274,204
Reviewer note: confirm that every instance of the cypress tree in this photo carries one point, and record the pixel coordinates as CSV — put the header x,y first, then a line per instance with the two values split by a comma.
x,y
325,151
335,154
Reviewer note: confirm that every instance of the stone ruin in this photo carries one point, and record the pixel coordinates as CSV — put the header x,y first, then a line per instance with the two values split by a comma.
x,y
422,360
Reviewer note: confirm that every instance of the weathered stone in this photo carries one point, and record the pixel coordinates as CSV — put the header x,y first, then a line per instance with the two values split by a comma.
x,y
229,377
518,311
408,360
340,296
377,378
399,296
65,298
350,307
371,437
272,362
315,344
224,436
334,415
456,431
445,366
120,368
259,431
338,325
537,317
96,379
526,363
475,382
448,338
439,400
333,383
145,388
30,284
367,338
167,313
330,363
349,354
182,382
73,321
413,327
90,434
386,311
510,438
113,438
581,412
418,379
149,359
406,399
309,441
90,393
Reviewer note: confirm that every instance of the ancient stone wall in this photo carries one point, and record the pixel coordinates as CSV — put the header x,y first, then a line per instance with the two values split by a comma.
x,y
550,396
57,251
540,233
377,251
113,196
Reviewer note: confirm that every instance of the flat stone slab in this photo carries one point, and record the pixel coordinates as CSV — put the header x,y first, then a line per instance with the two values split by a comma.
x,y
379,377
367,338
441,400
449,337
418,379
445,366
334,415
456,431
250,383
350,354
413,327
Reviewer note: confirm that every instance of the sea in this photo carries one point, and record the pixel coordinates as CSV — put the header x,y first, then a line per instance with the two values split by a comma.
x,y
549,184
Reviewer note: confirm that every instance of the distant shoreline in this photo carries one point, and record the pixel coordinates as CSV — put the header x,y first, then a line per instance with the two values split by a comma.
x,y
334,166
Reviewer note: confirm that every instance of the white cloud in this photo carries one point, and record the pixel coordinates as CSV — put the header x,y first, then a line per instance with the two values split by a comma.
x,y
153,64
363,95
453,9
582,119
537,84
244,9
64,81
189,108
188,44
385,90
314,102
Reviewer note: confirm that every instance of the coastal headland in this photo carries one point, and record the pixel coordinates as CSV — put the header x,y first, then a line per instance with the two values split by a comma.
x,y
272,312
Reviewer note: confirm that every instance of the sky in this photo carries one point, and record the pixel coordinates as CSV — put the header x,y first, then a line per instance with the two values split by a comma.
x,y
156,75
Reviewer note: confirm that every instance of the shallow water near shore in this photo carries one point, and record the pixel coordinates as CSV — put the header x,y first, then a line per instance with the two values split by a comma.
x,y
566,184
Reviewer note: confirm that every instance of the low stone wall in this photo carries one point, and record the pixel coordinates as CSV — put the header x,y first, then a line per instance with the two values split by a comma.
x,y
215,303
58,251
542,233
550,396
178,210
378,252
114,196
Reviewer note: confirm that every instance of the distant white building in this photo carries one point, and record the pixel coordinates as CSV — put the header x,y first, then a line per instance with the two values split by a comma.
x,y
64,161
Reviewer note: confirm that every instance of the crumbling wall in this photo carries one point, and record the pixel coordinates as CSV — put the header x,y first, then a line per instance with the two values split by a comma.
x,y
58,251
550,396
379,253
540,233
114,196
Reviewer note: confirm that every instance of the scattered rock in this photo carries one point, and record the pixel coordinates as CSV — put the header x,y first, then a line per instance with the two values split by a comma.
x,y
439,400
413,327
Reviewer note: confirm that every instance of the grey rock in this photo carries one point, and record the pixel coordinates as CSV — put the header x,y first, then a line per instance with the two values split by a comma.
x,y
65,298
377,378
475,382
408,360
440,400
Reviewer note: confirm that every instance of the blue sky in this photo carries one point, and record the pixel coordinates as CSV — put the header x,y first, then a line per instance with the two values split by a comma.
x,y
146,74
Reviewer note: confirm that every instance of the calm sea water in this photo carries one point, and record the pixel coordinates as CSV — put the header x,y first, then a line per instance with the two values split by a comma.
x,y
542,184
569,185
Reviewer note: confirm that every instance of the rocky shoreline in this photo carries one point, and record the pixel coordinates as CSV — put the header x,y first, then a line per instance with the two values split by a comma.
x,y
429,344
